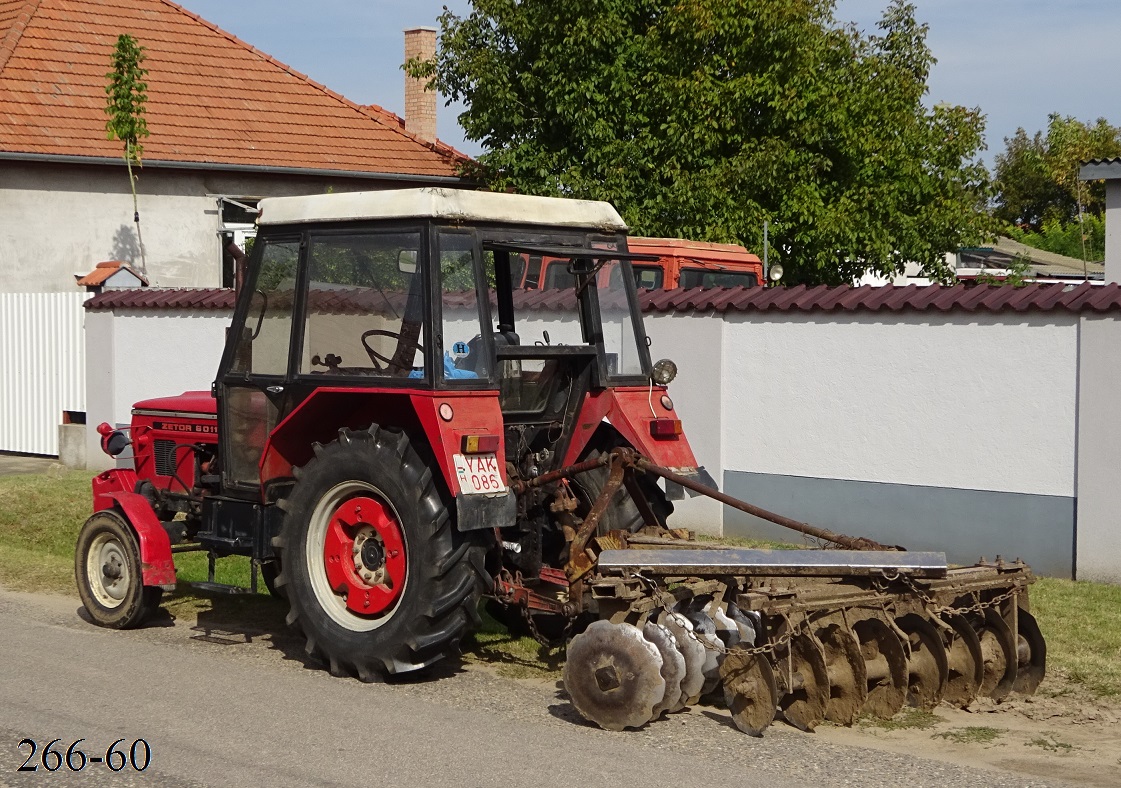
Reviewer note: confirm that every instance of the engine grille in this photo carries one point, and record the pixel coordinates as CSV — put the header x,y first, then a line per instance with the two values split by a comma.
x,y
164,452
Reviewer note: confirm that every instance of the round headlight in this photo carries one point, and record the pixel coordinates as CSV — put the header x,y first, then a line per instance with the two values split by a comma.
x,y
664,371
775,272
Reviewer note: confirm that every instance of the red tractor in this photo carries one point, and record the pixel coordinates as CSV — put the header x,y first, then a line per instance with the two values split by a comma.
x,y
396,430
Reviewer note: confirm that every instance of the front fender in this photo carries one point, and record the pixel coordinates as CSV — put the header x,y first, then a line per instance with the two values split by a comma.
x,y
157,567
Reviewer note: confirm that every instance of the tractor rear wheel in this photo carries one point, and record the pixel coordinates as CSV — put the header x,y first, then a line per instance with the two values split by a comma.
x,y
378,579
622,514
107,568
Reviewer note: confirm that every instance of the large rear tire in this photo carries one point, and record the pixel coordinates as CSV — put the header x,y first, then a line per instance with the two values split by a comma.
x,y
378,579
622,514
107,568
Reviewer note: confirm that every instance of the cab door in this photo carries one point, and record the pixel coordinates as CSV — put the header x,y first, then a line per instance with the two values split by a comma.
x,y
255,371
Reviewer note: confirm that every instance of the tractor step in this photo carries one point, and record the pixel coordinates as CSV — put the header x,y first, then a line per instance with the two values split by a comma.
x,y
742,561
221,588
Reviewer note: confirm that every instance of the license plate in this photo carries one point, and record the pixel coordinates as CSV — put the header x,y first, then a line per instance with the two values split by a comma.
x,y
478,474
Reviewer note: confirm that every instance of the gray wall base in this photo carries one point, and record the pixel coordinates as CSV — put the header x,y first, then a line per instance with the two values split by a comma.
x,y
965,524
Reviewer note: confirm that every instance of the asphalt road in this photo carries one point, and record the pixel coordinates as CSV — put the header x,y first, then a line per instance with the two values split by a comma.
x,y
243,708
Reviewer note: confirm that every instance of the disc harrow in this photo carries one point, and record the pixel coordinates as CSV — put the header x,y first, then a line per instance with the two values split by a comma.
x,y
800,635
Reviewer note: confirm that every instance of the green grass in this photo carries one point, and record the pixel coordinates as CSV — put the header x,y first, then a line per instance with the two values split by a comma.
x,y
908,719
1082,625
517,656
745,541
1051,744
971,735
40,516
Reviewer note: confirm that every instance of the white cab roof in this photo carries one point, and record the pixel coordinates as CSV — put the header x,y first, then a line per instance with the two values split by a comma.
x,y
452,205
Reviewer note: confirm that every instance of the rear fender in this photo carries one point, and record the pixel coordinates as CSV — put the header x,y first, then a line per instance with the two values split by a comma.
x,y
631,411
157,567
320,417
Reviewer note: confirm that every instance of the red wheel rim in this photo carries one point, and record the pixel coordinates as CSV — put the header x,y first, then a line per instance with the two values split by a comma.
x,y
364,555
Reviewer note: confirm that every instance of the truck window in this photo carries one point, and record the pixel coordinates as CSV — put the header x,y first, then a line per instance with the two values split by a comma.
x,y
649,277
699,277
533,273
557,276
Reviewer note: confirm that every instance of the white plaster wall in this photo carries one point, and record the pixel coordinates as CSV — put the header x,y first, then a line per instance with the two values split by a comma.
x,y
1098,535
57,221
137,355
699,395
961,400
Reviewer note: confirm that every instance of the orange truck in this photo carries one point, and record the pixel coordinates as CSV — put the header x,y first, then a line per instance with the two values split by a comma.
x,y
680,263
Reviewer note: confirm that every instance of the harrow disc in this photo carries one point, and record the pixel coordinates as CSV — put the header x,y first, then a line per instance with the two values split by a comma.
x,y
885,666
673,666
966,664
726,628
749,690
614,676
848,681
1031,654
694,654
745,624
998,650
803,683
927,665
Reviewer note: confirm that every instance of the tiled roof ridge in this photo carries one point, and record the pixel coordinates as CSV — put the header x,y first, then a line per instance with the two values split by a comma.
x,y
440,148
397,123
15,32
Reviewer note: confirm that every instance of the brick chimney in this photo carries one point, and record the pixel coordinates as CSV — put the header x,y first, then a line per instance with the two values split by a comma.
x,y
420,104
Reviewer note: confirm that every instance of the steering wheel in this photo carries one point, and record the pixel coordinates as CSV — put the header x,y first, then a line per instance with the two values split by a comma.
x,y
383,362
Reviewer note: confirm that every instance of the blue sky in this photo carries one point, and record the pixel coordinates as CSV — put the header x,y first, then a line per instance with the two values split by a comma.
x,y
1017,60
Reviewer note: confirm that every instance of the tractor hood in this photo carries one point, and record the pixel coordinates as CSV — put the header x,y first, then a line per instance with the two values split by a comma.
x,y
201,402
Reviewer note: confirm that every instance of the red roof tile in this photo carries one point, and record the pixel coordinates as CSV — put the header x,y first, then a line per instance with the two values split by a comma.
x,y
212,98
986,298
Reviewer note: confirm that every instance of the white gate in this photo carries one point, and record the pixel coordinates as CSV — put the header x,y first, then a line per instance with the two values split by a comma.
x,y
42,368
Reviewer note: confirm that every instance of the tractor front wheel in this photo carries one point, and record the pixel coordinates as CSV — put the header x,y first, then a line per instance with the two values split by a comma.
x,y
107,568
378,579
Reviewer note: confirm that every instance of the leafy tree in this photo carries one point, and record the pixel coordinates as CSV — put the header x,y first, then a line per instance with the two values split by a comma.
x,y
127,93
705,118
1037,176
1082,240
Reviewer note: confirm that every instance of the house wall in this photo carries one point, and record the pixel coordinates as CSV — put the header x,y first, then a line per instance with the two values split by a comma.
x,y
951,431
61,220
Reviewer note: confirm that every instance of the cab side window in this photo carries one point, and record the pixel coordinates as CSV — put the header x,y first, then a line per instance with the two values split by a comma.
x,y
365,306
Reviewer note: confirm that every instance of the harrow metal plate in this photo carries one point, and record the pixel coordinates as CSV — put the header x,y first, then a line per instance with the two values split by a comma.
x,y
731,561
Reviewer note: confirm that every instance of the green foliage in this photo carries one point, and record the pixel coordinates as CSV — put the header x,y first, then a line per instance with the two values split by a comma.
x,y
704,118
1037,177
127,94
1067,238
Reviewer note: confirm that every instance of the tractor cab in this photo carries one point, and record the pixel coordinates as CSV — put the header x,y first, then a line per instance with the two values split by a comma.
x,y
367,304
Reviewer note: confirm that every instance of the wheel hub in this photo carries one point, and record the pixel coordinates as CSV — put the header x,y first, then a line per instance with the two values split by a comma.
x,y
364,555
